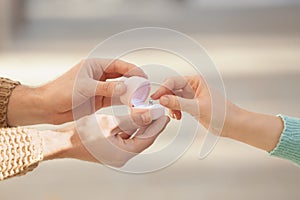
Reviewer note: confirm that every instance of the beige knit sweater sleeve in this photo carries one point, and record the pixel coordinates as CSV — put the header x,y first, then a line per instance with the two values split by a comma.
x,y
6,88
20,149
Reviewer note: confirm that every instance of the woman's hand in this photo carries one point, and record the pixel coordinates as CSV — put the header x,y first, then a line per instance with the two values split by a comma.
x,y
191,94
103,139
84,84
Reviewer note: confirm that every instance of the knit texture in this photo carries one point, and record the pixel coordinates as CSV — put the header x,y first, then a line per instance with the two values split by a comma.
x,y
21,150
6,88
289,143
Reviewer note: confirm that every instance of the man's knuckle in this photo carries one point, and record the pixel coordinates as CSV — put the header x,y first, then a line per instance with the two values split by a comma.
x,y
105,87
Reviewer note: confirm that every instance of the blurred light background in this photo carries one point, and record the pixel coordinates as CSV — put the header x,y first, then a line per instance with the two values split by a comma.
x,y
254,43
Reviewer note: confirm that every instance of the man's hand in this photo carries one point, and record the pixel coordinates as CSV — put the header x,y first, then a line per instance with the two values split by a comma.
x,y
102,138
85,84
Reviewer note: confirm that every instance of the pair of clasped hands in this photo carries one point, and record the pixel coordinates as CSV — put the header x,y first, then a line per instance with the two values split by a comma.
x,y
54,103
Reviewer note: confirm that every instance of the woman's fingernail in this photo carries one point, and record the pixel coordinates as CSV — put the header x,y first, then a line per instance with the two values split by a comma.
x,y
164,100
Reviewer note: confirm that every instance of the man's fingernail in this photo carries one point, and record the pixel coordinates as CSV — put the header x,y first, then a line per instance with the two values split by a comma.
x,y
120,88
146,118
164,100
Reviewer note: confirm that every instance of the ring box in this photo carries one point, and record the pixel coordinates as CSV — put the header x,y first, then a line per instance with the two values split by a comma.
x,y
138,90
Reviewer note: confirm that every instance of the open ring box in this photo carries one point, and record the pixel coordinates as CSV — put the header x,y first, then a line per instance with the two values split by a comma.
x,y
138,90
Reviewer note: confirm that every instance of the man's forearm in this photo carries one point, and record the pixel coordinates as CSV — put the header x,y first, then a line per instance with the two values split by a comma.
x,y
57,144
64,143
26,107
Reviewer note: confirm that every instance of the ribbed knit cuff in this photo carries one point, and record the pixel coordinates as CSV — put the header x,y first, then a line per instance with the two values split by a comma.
x,y
21,150
6,88
289,143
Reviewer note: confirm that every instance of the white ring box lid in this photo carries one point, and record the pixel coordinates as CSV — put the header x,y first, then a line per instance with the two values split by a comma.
x,y
138,90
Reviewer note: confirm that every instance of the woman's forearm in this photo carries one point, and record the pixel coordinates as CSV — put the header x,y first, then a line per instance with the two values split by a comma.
x,y
258,130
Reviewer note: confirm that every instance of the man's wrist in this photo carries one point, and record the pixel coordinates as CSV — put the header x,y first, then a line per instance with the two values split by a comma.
x,y
26,107
64,144
57,144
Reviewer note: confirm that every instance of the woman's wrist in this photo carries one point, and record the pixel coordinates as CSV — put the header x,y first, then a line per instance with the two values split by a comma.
x,y
258,130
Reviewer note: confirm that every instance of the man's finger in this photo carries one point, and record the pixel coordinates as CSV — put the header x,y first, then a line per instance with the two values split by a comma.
x,y
133,121
124,68
143,141
175,114
109,89
126,135
103,102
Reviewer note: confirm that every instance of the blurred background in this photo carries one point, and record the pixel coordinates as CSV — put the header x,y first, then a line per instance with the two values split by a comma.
x,y
255,44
